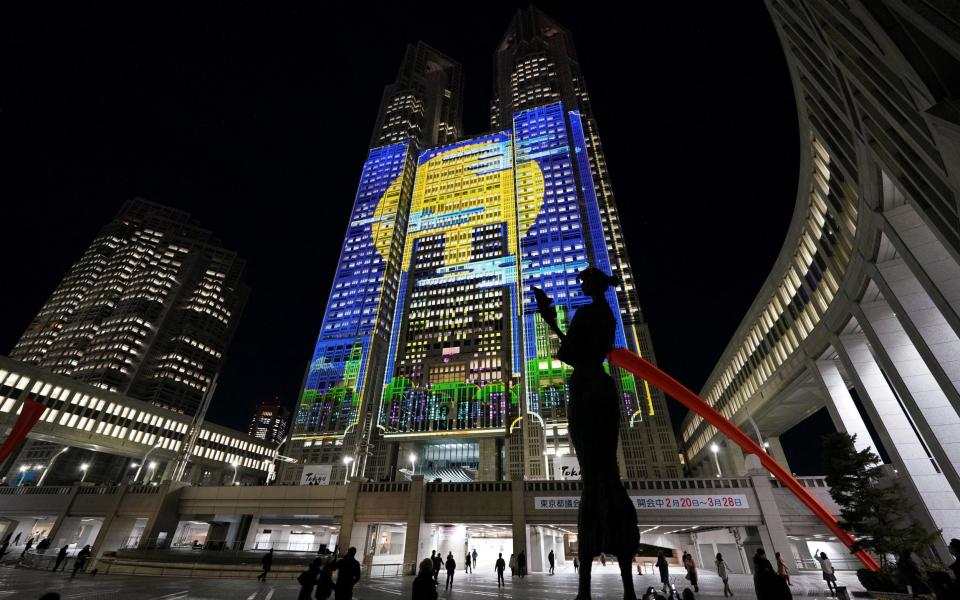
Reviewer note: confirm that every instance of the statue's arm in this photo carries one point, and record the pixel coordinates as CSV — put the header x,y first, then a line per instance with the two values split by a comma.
x,y
547,311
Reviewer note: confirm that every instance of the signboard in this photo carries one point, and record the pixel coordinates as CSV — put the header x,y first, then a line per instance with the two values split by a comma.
x,y
316,475
566,467
679,502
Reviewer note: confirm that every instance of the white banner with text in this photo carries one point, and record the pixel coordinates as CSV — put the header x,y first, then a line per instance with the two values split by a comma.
x,y
684,502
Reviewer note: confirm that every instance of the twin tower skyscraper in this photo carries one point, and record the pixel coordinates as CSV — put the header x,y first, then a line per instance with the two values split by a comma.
x,y
431,359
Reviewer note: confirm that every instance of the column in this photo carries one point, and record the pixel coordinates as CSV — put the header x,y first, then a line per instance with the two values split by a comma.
x,y
250,541
415,544
773,535
776,451
114,529
899,437
843,412
518,512
931,409
347,520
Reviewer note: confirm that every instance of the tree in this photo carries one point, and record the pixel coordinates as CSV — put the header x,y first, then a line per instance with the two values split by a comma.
x,y
876,513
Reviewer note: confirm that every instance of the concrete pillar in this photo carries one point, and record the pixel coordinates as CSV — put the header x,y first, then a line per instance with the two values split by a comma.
x,y
55,530
488,460
899,437
731,460
773,534
776,451
518,513
347,521
163,521
923,397
110,535
250,541
415,546
843,412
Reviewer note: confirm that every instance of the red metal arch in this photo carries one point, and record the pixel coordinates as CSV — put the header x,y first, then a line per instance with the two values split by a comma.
x,y
643,369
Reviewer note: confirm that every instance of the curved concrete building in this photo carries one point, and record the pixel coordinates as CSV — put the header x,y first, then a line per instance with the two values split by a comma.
x,y
861,311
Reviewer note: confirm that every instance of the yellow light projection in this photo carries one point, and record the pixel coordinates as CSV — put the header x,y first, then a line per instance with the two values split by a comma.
x,y
462,188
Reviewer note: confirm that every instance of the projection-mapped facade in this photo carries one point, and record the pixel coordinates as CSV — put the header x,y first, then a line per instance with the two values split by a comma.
x,y
430,351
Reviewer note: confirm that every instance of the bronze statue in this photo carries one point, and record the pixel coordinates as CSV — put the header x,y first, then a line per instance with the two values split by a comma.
x,y
607,520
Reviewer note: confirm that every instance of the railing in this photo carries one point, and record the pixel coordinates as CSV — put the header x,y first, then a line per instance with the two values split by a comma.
x,y
386,570
473,486
58,490
98,491
143,489
391,486
807,482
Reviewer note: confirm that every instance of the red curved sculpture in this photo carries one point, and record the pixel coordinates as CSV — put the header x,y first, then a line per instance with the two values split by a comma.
x,y
643,369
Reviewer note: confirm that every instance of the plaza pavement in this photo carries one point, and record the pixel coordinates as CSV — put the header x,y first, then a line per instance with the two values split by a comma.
x,y
28,584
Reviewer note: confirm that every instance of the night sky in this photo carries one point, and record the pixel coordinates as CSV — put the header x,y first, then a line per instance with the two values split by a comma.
x,y
258,124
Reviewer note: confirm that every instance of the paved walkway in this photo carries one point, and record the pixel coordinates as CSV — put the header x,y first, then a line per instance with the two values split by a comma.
x,y
26,584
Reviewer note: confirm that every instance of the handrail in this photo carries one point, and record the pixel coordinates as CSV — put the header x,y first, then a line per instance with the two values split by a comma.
x,y
631,362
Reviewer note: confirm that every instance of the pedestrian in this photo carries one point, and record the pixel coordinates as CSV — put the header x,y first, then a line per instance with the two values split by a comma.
x,y
43,545
551,559
27,547
828,572
307,579
267,563
500,566
513,564
61,556
437,566
81,560
664,570
466,562
325,581
782,569
722,573
451,569
474,557
16,540
349,575
954,549
522,564
768,584
603,560
423,586
576,564
691,568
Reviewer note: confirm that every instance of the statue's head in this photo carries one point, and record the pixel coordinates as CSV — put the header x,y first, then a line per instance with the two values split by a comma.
x,y
595,282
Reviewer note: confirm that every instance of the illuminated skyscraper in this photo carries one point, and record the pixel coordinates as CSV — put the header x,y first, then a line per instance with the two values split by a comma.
x,y
431,356
269,421
147,311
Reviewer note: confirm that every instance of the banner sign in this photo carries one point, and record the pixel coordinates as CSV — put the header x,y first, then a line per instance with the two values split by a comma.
x,y
316,475
566,467
698,502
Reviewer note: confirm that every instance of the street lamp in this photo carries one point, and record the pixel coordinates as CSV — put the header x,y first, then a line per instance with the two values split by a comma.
x,y
84,468
152,468
145,457
234,464
413,464
50,464
23,474
346,468
716,457
272,468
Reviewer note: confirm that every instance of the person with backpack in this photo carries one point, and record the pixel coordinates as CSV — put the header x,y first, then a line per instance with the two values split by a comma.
x,y
307,579
451,569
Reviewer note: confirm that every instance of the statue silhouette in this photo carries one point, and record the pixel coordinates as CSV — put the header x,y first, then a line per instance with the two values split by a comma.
x,y
607,520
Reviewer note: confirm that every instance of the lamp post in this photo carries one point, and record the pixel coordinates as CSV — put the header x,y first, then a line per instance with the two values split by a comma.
x,y
272,469
144,461
83,468
346,469
234,464
50,464
413,464
23,474
716,457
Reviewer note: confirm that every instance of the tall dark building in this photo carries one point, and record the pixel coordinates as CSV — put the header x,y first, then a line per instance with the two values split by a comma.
x,y
269,421
148,311
431,350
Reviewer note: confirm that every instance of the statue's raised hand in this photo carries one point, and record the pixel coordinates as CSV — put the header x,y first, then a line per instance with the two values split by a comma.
x,y
544,305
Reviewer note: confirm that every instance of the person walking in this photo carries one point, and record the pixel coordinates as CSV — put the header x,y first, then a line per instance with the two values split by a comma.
x,y
27,547
722,573
829,574
782,569
267,563
664,570
691,568
466,562
576,564
522,564
551,559
513,565
349,575
16,540
423,586
307,579
325,581
61,556
81,560
500,566
451,566
437,566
